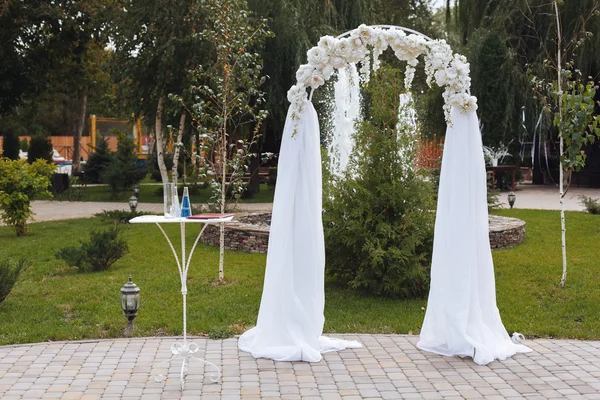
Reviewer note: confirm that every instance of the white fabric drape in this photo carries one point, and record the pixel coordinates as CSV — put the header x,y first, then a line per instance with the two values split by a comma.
x,y
462,317
290,320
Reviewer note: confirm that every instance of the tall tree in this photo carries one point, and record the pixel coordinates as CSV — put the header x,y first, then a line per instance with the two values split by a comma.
x,y
156,43
58,43
229,106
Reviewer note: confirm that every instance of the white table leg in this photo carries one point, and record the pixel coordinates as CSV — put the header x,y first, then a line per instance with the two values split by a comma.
x,y
184,349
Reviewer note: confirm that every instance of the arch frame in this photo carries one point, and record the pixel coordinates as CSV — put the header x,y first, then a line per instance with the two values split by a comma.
x,y
365,44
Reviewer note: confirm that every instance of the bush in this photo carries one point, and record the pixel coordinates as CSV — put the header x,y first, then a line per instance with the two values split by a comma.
x,y
378,219
21,182
591,205
9,275
40,147
98,161
102,251
123,172
119,216
10,145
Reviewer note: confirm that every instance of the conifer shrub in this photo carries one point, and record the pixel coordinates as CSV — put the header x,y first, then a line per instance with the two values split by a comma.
x,y
123,172
10,145
102,250
97,162
40,147
378,218
9,275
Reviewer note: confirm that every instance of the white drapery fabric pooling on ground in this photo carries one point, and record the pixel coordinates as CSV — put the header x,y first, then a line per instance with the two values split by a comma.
x,y
290,320
462,317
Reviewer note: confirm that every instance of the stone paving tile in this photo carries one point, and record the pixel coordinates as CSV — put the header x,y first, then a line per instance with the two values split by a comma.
x,y
388,367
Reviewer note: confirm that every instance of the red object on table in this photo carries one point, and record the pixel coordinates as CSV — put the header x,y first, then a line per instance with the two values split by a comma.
x,y
209,216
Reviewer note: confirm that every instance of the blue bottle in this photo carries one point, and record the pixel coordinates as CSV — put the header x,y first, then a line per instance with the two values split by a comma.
x,y
186,207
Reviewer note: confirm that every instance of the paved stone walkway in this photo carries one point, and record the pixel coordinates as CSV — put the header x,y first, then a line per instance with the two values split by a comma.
x,y
46,210
388,367
546,197
528,196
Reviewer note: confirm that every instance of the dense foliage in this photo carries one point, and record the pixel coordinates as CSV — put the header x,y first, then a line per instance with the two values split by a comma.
x,y
9,275
98,161
11,145
20,183
40,148
378,219
506,40
123,171
102,250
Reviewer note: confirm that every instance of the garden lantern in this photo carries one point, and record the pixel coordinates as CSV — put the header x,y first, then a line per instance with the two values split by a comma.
x,y
511,199
130,303
133,202
136,190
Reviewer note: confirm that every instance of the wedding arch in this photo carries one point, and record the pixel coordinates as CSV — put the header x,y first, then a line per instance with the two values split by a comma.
x,y
462,317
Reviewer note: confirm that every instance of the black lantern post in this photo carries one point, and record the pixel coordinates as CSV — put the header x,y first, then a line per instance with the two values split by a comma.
x,y
511,199
133,202
130,303
136,190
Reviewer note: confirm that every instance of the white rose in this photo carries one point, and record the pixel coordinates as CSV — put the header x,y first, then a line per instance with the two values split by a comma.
x,y
327,71
451,74
297,93
461,66
471,104
440,77
435,63
402,54
328,43
355,56
365,33
356,42
317,57
338,62
344,48
316,80
304,72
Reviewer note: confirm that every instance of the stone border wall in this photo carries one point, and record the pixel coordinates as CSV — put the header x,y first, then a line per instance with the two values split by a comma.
x,y
506,232
249,232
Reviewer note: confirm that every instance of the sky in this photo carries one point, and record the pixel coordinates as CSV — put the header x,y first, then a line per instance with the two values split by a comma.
x,y
438,3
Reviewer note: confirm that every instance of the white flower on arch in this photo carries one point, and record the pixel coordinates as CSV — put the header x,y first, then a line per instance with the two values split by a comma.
x,y
441,65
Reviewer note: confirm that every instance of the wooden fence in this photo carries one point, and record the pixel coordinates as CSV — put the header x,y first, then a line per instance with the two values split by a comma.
x,y
429,153
64,145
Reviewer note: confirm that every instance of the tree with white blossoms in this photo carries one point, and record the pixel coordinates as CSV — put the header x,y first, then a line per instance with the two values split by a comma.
x,y
571,103
366,44
228,104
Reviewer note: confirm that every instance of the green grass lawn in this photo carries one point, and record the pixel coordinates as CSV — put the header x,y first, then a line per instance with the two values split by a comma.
x,y
149,194
53,302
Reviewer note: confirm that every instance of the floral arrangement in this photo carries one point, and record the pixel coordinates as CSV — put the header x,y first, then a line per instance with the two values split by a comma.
x,y
494,155
365,44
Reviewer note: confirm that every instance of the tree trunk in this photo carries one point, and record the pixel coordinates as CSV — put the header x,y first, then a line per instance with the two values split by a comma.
x,y
78,131
560,133
254,184
160,148
176,148
223,193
